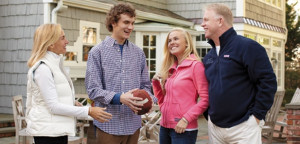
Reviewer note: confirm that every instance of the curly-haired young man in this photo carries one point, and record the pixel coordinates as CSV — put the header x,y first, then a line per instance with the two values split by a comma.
x,y
115,68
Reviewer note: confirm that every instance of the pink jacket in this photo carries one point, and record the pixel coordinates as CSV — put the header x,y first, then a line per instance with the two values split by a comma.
x,y
183,88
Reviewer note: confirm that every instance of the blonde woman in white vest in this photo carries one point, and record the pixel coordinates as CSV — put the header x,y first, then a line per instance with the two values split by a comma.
x,y
51,108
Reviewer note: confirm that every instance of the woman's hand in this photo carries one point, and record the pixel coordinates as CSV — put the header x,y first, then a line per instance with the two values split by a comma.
x,y
181,126
157,76
99,114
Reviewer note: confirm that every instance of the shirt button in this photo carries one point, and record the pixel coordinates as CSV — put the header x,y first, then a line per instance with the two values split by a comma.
x,y
120,60
123,81
123,71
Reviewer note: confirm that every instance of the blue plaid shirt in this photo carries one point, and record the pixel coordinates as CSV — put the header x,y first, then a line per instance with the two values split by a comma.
x,y
108,73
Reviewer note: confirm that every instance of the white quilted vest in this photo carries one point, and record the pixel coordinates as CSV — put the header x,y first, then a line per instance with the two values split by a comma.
x,y
40,122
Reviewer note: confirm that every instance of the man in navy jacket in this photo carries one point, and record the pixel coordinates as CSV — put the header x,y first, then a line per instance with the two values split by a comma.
x,y
241,80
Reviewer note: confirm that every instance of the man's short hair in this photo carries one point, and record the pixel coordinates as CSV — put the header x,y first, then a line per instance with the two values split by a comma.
x,y
115,12
222,10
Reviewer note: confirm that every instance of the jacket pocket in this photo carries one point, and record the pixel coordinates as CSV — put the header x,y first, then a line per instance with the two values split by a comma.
x,y
176,112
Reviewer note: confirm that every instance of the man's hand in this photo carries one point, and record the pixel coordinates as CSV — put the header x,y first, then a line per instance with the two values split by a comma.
x,y
129,100
77,103
181,126
99,114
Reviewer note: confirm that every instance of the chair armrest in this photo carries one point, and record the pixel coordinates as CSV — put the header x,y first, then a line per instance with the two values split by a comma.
x,y
281,123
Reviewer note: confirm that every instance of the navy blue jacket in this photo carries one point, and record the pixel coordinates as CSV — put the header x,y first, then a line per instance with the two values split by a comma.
x,y
241,80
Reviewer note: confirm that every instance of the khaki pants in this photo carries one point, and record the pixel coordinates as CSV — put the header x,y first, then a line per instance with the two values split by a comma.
x,y
248,132
105,138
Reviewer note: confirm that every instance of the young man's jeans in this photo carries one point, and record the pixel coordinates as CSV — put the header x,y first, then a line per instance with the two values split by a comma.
x,y
169,136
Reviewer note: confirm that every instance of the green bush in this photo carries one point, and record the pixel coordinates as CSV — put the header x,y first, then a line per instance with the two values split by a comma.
x,y
288,96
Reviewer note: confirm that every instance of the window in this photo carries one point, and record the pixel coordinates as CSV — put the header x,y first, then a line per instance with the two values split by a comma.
x,y
149,48
88,40
276,64
279,3
77,55
201,37
264,40
275,3
202,52
251,36
71,56
276,43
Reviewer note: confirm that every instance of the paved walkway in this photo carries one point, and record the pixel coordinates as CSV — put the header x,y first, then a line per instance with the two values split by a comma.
x,y
201,139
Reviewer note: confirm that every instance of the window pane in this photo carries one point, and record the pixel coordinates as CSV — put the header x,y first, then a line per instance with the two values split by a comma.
x,y
152,74
89,35
146,52
152,65
147,64
203,52
251,36
203,37
146,40
279,3
152,52
153,40
85,52
70,56
198,51
198,38
208,49
279,61
277,43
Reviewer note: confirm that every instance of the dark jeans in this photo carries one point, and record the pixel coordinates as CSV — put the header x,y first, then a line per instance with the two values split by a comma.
x,y
50,140
169,136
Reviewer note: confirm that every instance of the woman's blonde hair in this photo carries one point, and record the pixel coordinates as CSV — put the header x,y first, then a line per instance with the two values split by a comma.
x,y
44,36
170,59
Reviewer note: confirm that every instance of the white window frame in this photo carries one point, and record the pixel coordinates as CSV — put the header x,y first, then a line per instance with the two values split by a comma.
x,y
77,68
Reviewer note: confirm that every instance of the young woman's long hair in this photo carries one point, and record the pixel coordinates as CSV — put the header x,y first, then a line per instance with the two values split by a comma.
x,y
44,36
170,59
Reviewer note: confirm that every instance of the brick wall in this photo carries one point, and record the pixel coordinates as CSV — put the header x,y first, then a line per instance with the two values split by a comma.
x,y
293,121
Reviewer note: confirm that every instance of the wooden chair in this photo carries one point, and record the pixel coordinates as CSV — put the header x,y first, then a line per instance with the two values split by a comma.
x,y
271,117
83,122
149,131
19,119
283,124
20,123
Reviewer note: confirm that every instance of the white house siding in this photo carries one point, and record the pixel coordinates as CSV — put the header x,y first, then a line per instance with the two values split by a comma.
x,y
18,20
161,4
191,9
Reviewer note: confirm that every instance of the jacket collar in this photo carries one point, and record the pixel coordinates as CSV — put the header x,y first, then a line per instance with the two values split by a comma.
x,y
51,56
224,38
185,63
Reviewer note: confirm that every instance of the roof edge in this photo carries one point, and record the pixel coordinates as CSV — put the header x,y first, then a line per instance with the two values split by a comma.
x,y
105,7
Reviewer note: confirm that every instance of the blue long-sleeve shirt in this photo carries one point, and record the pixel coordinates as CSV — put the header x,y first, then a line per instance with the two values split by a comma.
x,y
241,80
110,73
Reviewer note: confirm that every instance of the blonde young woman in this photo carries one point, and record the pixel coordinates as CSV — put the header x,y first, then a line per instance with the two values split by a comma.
x,y
50,92
178,86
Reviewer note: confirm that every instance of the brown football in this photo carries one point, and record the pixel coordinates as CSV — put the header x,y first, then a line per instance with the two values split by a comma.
x,y
147,101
